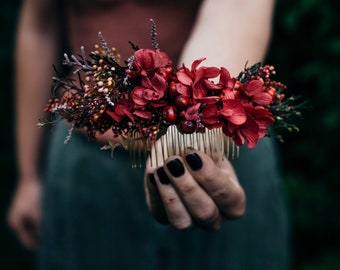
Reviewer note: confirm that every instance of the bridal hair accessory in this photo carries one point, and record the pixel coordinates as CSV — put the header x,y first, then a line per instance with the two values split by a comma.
x,y
157,110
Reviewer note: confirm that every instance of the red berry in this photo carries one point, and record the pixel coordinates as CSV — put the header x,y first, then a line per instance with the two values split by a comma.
x,y
237,85
182,102
187,126
172,89
166,72
169,114
271,91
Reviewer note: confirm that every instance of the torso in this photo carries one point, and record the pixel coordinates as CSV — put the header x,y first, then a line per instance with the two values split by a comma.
x,y
121,21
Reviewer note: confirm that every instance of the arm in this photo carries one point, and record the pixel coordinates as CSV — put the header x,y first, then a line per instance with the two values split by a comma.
x,y
36,48
229,34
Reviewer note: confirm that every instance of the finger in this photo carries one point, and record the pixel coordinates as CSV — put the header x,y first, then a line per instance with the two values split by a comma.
x,y
27,233
31,233
219,181
154,200
176,212
198,203
16,224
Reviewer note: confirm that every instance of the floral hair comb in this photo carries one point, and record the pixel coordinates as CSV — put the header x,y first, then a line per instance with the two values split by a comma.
x,y
158,111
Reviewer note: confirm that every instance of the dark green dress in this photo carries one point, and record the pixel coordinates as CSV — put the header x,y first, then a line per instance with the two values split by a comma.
x,y
95,216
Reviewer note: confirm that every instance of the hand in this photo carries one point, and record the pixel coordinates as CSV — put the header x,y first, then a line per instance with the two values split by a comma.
x,y
194,190
24,213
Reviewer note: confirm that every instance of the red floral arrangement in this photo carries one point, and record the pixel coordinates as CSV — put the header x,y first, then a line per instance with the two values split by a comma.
x,y
146,95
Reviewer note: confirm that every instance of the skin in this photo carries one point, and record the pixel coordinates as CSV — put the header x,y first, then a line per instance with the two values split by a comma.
x,y
203,197
238,31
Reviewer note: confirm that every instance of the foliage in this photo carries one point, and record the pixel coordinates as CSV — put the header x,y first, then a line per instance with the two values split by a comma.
x,y
306,51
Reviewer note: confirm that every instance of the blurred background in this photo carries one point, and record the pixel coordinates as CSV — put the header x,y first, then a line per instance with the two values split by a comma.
x,y
306,53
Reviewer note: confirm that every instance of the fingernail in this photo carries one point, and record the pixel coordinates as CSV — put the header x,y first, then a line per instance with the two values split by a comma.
x,y
152,178
176,167
194,161
163,177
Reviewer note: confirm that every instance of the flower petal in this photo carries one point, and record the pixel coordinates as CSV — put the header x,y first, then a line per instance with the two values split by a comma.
x,y
137,96
195,64
183,77
151,94
143,114
144,58
115,116
224,76
161,59
159,83
263,99
250,131
183,89
253,87
205,73
233,111
192,112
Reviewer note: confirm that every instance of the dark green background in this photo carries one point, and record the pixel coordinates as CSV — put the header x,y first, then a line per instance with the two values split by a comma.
x,y
306,53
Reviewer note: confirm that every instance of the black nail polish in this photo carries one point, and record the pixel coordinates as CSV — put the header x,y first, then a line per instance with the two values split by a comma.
x,y
194,161
163,177
152,178
176,167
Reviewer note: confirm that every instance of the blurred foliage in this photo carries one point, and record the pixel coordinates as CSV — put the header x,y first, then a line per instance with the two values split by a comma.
x,y
305,50
306,53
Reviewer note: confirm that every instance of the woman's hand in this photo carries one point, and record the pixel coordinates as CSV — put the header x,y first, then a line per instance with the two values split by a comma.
x,y
24,213
194,191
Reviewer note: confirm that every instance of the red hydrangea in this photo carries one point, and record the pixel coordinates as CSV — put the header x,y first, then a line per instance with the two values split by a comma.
x,y
255,127
149,67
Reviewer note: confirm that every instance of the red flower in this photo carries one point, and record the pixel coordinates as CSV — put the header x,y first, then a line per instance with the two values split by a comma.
x,y
196,82
143,114
233,111
149,91
254,128
150,65
192,113
228,84
210,117
263,117
148,61
121,110
254,89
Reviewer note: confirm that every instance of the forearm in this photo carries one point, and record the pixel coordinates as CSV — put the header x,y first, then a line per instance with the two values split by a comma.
x,y
36,51
230,33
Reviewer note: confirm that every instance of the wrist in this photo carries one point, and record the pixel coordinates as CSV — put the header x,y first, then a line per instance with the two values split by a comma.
x,y
29,177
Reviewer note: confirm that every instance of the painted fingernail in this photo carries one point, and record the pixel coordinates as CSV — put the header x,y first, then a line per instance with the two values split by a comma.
x,y
176,167
163,177
152,178
194,161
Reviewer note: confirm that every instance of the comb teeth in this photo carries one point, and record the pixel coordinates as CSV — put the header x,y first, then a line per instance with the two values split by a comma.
x,y
212,142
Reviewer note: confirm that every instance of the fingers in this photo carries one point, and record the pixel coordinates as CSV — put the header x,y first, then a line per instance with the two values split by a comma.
x,y
194,190
27,231
28,234
24,213
219,181
153,198
176,211
183,199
